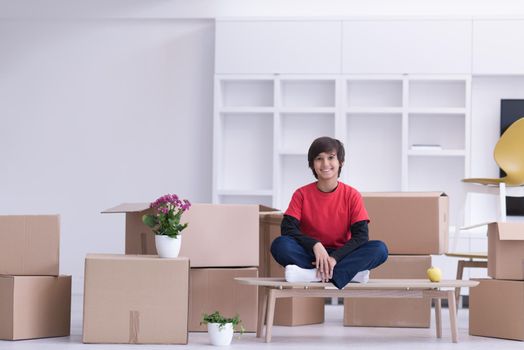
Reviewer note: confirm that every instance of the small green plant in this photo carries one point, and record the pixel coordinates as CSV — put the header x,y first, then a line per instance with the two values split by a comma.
x,y
216,317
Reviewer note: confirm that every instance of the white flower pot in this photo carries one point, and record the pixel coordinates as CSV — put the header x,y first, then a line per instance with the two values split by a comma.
x,y
220,336
168,247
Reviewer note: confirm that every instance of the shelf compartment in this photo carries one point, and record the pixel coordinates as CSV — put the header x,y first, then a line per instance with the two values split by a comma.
x,y
247,93
295,173
446,130
437,93
374,93
308,93
247,152
374,152
299,130
438,174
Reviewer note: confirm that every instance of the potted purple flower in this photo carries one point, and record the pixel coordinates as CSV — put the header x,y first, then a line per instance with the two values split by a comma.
x,y
166,224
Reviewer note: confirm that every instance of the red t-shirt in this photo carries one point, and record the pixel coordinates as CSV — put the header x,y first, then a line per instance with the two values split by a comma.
x,y
327,217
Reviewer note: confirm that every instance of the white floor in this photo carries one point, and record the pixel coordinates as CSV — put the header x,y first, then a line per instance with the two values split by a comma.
x,y
330,335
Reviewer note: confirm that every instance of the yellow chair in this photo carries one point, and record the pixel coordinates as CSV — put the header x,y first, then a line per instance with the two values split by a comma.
x,y
509,155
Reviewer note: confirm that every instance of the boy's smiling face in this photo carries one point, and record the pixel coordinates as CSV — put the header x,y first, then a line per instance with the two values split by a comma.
x,y
326,166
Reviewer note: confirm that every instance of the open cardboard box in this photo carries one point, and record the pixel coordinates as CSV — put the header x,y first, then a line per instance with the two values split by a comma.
x,y
414,223
506,250
218,235
30,245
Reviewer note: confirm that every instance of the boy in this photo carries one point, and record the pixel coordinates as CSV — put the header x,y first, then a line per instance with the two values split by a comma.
x,y
325,228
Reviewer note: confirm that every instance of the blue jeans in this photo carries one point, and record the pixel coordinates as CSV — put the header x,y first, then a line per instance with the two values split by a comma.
x,y
371,254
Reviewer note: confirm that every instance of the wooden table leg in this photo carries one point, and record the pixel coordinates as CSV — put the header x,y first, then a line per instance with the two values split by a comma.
x,y
453,316
460,273
270,313
438,317
262,309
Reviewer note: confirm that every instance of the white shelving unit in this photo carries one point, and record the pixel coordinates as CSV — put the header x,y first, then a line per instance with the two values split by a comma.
x,y
264,125
243,134
438,113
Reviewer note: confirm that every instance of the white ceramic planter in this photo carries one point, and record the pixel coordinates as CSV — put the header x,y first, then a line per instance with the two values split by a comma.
x,y
168,247
220,336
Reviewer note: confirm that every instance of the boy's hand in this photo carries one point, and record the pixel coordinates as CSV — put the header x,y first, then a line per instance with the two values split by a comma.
x,y
324,263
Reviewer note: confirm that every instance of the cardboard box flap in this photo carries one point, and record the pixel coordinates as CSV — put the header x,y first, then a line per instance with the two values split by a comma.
x,y
127,208
264,210
508,231
404,194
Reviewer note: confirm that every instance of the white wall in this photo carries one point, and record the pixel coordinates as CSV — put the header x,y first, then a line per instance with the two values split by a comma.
x,y
95,113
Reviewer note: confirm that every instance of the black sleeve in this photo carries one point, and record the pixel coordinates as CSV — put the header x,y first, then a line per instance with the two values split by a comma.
x,y
290,227
359,236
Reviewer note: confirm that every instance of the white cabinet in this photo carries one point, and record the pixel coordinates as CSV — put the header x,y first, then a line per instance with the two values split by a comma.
x,y
396,92
407,46
277,46
497,47
401,133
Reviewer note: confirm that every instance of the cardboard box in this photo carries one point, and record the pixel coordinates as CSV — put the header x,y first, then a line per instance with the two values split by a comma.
x,y
34,307
294,311
218,235
299,311
30,244
496,309
387,312
506,250
135,299
409,222
269,229
214,289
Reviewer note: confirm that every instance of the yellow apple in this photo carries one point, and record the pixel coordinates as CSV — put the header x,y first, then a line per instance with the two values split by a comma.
x,y
434,274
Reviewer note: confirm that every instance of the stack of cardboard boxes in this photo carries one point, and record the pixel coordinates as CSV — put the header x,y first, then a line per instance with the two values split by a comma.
x,y
221,242
35,301
413,225
496,306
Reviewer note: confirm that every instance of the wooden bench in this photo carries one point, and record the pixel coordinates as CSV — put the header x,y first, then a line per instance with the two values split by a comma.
x,y
273,288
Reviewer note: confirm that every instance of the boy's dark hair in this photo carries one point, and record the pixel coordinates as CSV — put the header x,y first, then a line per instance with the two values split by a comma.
x,y
325,144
